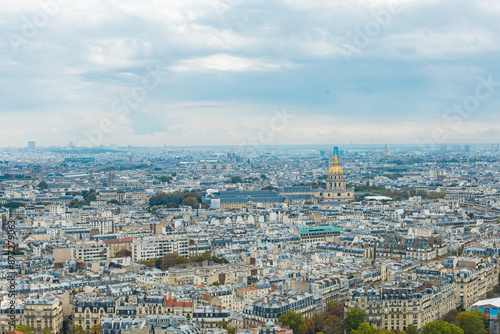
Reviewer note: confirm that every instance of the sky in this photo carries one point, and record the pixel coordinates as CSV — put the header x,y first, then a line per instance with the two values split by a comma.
x,y
249,72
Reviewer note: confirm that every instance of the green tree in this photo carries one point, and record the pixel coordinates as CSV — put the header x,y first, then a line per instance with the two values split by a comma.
x,y
319,322
236,179
165,178
25,329
451,317
309,326
123,253
471,322
353,318
77,329
180,260
191,201
43,185
410,329
225,325
292,319
365,328
167,260
46,330
441,327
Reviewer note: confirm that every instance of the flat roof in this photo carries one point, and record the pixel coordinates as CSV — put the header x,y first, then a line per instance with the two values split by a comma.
x,y
319,229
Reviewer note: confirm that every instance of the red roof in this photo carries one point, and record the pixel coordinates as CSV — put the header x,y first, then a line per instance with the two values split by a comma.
x,y
172,302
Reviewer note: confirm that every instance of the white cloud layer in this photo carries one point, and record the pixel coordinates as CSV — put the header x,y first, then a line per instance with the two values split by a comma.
x,y
353,71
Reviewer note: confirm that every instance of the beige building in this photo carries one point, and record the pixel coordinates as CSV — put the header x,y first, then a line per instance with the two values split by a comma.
x,y
474,280
44,312
88,312
394,307
9,321
90,251
116,245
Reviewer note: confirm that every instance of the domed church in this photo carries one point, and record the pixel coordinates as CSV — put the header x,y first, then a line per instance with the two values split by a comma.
x,y
336,190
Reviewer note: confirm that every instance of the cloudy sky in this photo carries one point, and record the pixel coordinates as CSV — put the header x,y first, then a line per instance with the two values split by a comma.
x,y
210,72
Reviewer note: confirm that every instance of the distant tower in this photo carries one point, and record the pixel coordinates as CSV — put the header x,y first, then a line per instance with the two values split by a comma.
x,y
387,152
111,177
31,145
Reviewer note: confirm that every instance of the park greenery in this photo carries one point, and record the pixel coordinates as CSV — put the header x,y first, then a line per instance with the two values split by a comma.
x,y
175,199
173,259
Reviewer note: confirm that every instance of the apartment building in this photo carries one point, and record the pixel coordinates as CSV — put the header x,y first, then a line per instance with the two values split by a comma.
x,y
90,251
42,312
88,312
271,307
156,246
116,245
395,306
474,280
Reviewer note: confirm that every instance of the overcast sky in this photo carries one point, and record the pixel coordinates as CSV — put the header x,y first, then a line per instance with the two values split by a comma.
x,y
195,72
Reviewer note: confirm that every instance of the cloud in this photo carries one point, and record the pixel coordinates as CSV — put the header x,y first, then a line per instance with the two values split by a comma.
x,y
225,62
232,63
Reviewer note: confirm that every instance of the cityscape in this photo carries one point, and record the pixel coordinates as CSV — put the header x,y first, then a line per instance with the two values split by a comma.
x,y
250,167
190,240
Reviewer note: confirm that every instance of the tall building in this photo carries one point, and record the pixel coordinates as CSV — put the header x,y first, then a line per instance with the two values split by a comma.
x,y
31,145
155,247
336,190
44,312
386,151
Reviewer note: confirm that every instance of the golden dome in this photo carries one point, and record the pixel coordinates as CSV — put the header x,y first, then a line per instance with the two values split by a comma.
x,y
336,169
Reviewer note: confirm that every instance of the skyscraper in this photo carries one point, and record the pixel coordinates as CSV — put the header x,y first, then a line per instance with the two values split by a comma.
x,y
31,145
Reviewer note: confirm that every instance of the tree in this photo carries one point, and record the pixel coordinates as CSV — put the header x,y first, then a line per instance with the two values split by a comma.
x,y
168,260
263,176
43,185
46,330
451,317
410,329
165,178
180,260
471,322
225,325
123,253
309,327
158,263
96,329
319,322
236,179
191,201
353,318
332,318
441,327
77,329
25,329
365,328
292,319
